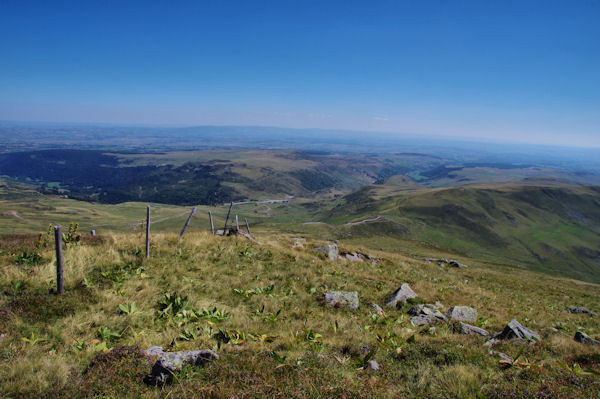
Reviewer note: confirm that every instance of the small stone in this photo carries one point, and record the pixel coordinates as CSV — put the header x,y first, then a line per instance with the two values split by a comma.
x,y
377,309
330,250
424,320
501,355
400,295
455,263
583,338
580,310
514,330
464,328
341,298
372,365
462,313
427,310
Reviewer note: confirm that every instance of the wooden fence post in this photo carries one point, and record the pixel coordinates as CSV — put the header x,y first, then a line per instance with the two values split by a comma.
x,y
227,219
247,226
60,283
237,224
148,231
212,226
187,222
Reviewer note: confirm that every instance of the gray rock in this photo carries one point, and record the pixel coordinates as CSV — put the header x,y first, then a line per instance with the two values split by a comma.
x,y
169,363
372,365
424,320
583,338
464,328
462,313
580,310
427,310
297,244
377,309
400,295
354,257
330,250
455,263
341,298
514,330
501,355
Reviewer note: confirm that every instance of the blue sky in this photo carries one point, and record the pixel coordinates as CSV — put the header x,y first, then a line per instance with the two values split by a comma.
x,y
501,70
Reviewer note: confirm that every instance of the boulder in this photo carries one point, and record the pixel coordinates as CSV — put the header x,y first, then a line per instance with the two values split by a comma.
x,y
464,328
169,363
341,298
330,250
427,310
424,320
514,330
583,338
400,295
462,313
580,310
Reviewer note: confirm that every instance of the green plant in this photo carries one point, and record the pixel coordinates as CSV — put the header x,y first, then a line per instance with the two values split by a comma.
x,y
33,340
234,337
575,369
108,335
272,317
72,236
171,304
128,310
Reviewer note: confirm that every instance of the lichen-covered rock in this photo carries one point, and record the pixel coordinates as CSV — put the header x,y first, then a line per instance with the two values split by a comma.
x,y
330,250
169,363
341,298
583,338
462,313
427,310
464,328
377,309
580,310
401,295
514,330
424,320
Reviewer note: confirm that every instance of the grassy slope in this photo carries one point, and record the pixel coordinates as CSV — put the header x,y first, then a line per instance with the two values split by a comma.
x,y
102,275
554,229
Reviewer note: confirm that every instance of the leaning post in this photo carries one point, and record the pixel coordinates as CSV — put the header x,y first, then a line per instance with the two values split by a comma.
x,y
148,231
187,222
60,283
248,227
227,219
212,226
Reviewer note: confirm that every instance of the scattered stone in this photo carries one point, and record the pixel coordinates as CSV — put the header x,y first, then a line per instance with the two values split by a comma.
x,y
330,250
427,310
580,310
354,257
514,330
297,244
464,328
169,363
583,338
2,337
501,355
455,263
551,329
372,365
462,313
439,305
401,295
377,309
338,299
424,320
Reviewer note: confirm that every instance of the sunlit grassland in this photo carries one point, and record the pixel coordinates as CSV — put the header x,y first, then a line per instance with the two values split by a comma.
x,y
270,293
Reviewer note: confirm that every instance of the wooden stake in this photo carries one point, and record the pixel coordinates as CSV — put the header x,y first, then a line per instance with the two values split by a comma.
x,y
237,224
187,222
60,283
227,219
248,227
148,231
212,226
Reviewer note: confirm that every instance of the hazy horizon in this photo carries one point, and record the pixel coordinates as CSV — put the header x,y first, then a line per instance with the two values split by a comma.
x,y
517,71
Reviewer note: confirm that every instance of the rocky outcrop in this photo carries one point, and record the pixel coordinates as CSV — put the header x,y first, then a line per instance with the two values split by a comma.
x,y
402,294
338,299
580,310
583,338
425,315
462,313
464,328
330,250
169,363
514,330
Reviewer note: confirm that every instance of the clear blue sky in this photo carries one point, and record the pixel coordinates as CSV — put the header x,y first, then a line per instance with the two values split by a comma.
x,y
514,70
